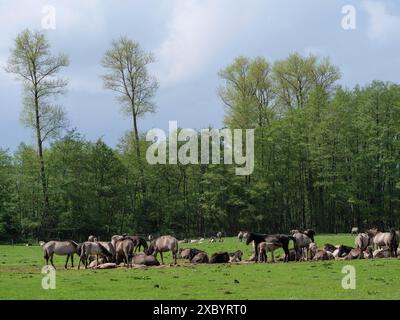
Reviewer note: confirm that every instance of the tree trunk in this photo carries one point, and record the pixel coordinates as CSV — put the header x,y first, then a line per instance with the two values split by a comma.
x,y
42,165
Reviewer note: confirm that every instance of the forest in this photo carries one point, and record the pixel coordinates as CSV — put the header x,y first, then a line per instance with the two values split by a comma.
x,y
326,156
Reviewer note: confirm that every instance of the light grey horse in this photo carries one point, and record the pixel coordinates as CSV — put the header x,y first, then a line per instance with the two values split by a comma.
x,y
164,244
124,249
62,248
363,241
302,242
87,249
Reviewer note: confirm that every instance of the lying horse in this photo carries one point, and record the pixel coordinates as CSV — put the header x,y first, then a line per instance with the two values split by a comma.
x,y
322,255
343,251
61,248
146,260
201,257
236,256
273,242
188,253
358,253
220,257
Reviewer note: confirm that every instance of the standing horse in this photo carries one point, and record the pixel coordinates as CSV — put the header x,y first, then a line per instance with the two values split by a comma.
x,y
273,242
302,242
310,233
87,249
363,241
124,248
164,244
110,248
387,239
240,236
138,242
61,248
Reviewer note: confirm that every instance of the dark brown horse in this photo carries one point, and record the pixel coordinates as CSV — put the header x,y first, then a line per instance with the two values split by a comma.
x,y
139,242
273,242
220,257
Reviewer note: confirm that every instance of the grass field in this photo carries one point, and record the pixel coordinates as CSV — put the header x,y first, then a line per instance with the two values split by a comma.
x,y
20,278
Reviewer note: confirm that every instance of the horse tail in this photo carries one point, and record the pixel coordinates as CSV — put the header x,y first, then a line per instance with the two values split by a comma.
x,y
46,254
143,243
294,240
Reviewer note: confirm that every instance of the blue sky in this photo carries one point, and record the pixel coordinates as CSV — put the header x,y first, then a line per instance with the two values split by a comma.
x,y
192,40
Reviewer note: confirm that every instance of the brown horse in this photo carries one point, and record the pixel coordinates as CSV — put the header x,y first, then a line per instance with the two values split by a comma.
x,y
146,260
188,253
139,242
322,255
62,248
201,257
220,257
164,244
273,242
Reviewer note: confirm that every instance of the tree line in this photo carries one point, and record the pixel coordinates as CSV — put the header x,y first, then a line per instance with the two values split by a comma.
x,y
326,156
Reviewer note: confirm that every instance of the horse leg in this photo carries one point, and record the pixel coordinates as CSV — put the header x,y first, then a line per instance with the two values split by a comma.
x,y
66,262
46,256
256,252
80,260
97,259
162,259
51,260
174,253
272,255
72,260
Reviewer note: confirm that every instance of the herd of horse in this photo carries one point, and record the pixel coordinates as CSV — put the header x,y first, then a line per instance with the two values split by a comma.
x,y
126,251
368,245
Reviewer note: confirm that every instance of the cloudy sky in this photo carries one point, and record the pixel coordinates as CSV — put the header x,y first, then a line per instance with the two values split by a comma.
x,y
192,41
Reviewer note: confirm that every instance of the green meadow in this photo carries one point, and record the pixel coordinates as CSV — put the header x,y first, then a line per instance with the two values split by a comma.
x,y
21,277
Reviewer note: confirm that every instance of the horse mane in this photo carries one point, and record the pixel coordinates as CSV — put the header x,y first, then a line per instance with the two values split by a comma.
x,y
73,243
257,235
104,250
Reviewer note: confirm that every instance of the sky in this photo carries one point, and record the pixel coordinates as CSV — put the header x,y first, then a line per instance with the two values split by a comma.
x,y
192,40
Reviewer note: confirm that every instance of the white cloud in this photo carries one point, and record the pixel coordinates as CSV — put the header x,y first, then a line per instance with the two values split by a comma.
x,y
383,26
198,30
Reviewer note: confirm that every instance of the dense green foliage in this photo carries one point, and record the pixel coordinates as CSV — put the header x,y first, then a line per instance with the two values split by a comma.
x,y
20,278
326,157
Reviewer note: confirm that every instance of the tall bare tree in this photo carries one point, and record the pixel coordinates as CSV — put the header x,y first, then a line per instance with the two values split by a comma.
x,y
126,65
34,65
